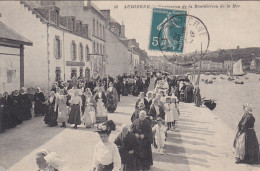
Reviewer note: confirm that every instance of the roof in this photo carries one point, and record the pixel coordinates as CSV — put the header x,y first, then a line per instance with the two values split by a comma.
x,y
9,35
95,9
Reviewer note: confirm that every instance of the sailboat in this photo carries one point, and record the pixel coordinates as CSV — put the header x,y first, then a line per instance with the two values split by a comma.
x,y
238,69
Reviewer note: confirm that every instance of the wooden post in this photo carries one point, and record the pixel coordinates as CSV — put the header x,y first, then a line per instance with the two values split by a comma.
x,y
21,66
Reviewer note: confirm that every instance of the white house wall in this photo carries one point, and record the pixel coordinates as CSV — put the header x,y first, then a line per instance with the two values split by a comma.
x,y
118,59
20,19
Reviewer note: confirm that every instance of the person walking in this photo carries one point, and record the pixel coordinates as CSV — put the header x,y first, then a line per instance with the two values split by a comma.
x,y
39,100
89,117
106,155
61,108
75,112
246,143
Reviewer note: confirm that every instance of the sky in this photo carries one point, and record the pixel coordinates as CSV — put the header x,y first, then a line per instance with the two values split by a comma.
x,y
227,27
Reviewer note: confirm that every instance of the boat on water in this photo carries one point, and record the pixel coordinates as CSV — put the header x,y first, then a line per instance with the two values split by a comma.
x,y
222,78
239,82
208,81
231,79
238,68
214,78
246,78
210,104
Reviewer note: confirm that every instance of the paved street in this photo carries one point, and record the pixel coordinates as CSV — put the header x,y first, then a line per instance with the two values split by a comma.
x,y
196,143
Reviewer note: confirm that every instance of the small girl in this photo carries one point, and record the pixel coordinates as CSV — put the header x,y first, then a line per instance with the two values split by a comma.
x,y
160,131
169,113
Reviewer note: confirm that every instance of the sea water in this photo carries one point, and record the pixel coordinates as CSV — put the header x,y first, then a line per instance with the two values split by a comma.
x,y
230,98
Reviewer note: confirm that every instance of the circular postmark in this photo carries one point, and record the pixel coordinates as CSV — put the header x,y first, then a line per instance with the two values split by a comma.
x,y
186,37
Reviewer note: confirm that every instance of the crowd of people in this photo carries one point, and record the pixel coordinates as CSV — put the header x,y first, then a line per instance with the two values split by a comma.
x,y
155,113
15,108
77,101
87,102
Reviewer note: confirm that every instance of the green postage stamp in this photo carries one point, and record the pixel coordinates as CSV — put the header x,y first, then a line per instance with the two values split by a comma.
x,y
168,30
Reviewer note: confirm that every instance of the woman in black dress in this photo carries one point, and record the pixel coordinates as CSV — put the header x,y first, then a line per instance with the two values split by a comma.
x,y
39,100
26,104
246,143
2,129
51,116
10,120
16,106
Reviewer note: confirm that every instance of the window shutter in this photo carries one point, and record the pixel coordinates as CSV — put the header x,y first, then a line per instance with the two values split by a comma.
x,y
71,51
60,49
75,51
54,48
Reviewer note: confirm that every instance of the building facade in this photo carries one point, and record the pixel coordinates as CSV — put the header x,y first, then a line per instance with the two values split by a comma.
x,y
61,47
95,24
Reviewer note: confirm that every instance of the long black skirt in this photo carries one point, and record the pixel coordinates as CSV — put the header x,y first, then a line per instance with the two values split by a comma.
x,y
251,148
145,158
51,117
74,117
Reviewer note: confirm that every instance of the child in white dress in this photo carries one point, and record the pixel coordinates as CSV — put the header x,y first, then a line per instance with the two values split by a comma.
x,y
169,113
160,131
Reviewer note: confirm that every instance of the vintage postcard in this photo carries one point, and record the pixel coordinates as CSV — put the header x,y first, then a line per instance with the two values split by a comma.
x,y
129,85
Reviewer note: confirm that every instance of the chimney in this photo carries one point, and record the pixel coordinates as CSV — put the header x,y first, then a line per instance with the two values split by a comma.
x,y
122,31
106,14
89,3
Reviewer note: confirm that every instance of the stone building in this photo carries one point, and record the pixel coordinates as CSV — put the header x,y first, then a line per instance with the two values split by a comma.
x,y
61,45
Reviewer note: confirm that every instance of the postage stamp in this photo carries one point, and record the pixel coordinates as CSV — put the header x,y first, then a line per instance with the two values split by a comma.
x,y
168,32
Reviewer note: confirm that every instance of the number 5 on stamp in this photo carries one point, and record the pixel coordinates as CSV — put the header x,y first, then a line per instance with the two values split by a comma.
x,y
168,30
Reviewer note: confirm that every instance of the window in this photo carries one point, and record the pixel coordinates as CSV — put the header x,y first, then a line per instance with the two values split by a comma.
x,y
86,30
73,24
97,48
57,74
94,47
80,28
97,30
57,47
101,49
81,72
58,17
100,34
73,73
94,28
81,57
73,51
10,75
87,73
87,53
103,33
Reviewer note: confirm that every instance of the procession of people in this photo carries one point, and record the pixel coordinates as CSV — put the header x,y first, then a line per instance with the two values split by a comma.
x,y
88,102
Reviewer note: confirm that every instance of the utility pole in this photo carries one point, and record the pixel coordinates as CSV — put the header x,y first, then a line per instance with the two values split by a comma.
x,y
198,79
